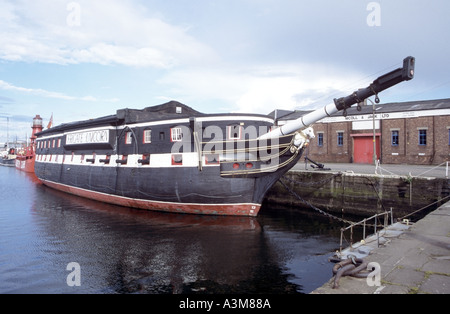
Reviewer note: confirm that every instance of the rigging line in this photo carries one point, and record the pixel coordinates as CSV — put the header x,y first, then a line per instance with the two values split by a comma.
x,y
267,169
263,158
246,150
420,209
352,85
243,141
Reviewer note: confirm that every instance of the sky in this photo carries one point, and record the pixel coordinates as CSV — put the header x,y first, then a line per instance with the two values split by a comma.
x,y
77,60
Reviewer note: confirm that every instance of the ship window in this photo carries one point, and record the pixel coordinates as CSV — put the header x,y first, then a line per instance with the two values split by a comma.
x,y
147,136
212,159
128,139
122,161
145,160
176,134
177,160
234,132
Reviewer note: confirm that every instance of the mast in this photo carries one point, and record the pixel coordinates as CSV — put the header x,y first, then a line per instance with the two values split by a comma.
x,y
382,83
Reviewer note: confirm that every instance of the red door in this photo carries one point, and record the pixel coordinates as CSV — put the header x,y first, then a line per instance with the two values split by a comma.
x,y
363,149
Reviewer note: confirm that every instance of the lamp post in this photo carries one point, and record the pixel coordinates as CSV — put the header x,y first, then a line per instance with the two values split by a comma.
x,y
374,158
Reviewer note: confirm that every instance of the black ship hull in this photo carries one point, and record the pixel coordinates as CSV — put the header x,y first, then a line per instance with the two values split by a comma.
x,y
167,158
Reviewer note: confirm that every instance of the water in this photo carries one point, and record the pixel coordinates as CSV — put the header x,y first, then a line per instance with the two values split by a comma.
x,y
123,250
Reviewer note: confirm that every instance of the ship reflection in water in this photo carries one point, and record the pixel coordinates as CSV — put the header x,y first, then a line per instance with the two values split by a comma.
x,y
122,250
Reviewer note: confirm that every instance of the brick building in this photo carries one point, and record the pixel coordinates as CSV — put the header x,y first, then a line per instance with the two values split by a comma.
x,y
415,132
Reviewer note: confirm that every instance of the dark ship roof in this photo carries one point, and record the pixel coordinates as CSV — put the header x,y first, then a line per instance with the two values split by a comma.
x,y
169,110
172,109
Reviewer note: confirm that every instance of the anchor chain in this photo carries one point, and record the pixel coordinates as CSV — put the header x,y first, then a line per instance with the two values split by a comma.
x,y
314,207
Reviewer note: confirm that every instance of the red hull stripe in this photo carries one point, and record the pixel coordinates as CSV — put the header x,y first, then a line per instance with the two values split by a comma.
x,y
243,209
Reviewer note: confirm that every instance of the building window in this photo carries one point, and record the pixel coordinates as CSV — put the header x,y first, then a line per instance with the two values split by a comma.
x,y
340,138
234,132
128,139
320,139
448,136
147,136
423,137
394,138
176,134
59,143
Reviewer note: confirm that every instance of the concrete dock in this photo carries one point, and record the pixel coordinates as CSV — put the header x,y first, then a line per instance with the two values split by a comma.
x,y
363,190
416,261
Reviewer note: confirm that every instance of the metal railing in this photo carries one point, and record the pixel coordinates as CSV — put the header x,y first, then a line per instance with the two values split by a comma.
x,y
379,170
365,224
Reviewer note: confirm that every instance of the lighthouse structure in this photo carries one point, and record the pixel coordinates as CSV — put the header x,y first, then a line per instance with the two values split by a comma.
x,y
25,159
36,128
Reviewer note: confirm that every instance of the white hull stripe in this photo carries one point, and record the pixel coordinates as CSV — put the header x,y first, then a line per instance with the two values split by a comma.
x,y
156,160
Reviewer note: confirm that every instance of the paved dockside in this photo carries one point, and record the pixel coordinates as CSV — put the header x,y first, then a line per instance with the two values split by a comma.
x,y
417,261
436,171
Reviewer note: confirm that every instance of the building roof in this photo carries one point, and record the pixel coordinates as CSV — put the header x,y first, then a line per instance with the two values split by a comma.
x,y
379,108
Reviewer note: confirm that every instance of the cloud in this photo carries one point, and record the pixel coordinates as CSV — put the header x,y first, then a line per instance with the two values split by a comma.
x,y
263,88
101,32
6,100
49,94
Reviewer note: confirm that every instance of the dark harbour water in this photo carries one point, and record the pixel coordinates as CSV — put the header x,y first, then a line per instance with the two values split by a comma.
x,y
123,250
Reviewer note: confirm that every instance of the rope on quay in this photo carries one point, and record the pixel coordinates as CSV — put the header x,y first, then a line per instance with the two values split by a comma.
x,y
354,267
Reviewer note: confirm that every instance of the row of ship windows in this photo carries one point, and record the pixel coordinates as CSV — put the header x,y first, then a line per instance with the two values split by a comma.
x,y
176,135
176,159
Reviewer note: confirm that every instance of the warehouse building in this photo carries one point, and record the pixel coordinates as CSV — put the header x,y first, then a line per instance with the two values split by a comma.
x,y
415,132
